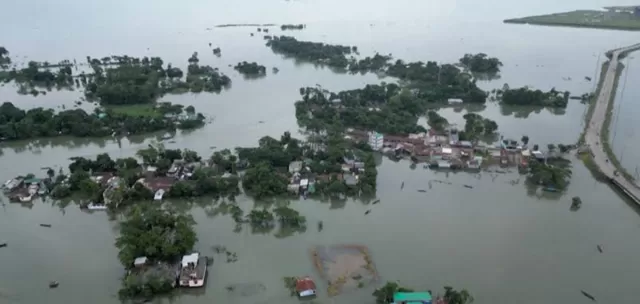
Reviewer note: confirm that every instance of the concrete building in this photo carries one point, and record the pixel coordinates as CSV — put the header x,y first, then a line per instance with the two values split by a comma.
x,y
376,141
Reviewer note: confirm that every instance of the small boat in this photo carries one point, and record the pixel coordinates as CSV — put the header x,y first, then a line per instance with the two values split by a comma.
x,y
402,186
467,186
599,248
586,294
3,245
422,190
53,284
45,225
375,202
367,212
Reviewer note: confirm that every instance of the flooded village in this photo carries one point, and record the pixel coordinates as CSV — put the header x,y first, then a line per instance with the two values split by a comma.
x,y
370,203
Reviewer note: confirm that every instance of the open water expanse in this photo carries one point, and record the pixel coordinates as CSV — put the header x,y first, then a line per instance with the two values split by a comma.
x,y
502,242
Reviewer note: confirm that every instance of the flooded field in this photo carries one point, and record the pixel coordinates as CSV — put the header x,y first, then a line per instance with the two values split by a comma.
x,y
345,267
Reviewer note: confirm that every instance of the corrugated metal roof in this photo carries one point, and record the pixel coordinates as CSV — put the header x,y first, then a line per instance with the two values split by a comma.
x,y
411,296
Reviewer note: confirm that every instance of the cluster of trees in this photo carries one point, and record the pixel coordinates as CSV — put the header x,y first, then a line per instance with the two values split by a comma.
x,y
250,69
526,96
438,83
267,173
292,26
476,125
481,63
385,108
265,220
121,80
16,123
384,294
160,235
436,121
553,173
4,57
316,52
33,77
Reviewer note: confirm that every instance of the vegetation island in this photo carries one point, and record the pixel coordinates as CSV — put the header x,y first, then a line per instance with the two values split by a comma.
x,y
250,69
529,97
285,27
481,63
616,18
16,124
119,79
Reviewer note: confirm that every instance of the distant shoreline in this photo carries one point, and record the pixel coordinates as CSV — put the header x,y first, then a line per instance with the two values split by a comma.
x,y
610,20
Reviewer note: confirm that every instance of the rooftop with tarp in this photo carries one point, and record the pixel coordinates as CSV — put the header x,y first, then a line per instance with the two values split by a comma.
x,y
412,297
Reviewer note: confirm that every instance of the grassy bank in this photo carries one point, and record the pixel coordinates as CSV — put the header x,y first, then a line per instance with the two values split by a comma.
x,y
585,18
606,128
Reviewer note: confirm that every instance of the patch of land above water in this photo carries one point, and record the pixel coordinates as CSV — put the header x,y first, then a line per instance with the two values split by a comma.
x,y
585,18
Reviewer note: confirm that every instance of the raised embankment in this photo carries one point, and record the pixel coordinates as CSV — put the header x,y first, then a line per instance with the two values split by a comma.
x,y
598,121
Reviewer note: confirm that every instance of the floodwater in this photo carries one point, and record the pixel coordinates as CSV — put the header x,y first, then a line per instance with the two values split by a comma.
x,y
498,240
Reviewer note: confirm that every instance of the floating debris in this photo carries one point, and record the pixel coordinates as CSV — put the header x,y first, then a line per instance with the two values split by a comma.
x,y
402,186
375,202
262,121
586,294
367,212
320,226
45,225
576,202
3,245
600,248
53,284
468,186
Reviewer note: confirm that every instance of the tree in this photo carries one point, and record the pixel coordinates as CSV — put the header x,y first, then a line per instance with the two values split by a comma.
x,y
384,294
158,234
553,176
525,139
263,181
452,296
551,147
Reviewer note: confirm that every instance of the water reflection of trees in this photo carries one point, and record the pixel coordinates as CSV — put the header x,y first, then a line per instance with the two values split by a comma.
x,y
525,111
73,142
458,108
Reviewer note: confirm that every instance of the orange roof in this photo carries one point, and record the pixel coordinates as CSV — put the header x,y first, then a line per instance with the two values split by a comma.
x,y
305,283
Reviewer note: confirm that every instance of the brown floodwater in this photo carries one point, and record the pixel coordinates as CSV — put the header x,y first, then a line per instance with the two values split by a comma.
x,y
500,240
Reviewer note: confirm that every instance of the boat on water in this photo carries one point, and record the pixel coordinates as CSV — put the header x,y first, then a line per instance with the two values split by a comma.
x,y
193,271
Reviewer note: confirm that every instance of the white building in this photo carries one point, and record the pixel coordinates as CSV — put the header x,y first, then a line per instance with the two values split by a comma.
x,y
376,141
194,270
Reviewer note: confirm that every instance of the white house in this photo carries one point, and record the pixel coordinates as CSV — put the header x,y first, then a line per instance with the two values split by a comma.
x,y
376,141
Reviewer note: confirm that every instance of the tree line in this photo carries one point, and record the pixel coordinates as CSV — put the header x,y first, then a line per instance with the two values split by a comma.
x,y
16,123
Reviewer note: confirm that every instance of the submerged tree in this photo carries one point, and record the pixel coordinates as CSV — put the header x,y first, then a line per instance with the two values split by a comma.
x,y
160,235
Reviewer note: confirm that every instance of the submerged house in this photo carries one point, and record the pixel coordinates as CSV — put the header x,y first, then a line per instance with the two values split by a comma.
x,y
305,287
193,271
411,297
144,271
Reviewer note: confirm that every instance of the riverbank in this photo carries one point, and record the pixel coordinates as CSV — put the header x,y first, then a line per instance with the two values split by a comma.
x,y
584,18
